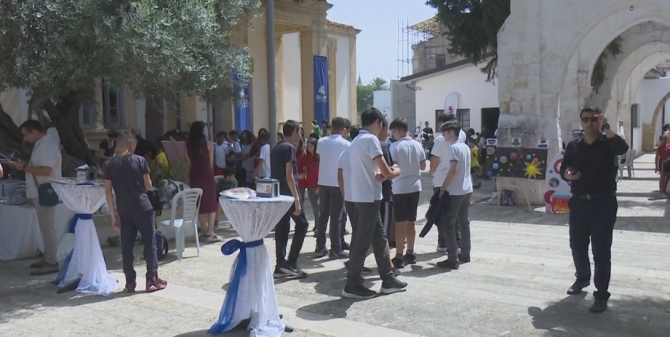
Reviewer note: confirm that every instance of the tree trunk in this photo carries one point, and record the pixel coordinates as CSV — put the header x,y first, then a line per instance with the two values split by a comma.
x,y
154,117
65,117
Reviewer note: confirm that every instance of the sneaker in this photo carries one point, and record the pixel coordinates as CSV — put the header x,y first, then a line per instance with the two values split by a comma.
x,y
463,258
155,284
393,286
396,272
345,246
338,255
364,271
599,306
448,264
130,287
319,253
278,273
292,269
441,249
409,258
398,263
358,292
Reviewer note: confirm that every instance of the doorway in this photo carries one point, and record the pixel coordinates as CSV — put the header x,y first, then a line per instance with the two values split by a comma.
x,y
490,118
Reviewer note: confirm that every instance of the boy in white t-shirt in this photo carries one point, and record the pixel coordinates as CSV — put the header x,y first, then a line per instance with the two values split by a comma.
x,y
368,169
410,157
457,187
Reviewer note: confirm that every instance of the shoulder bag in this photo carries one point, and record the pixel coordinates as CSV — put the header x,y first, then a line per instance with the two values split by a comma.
x,y
46,195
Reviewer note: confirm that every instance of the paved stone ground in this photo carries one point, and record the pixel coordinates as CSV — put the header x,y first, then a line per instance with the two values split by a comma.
x,y
515,285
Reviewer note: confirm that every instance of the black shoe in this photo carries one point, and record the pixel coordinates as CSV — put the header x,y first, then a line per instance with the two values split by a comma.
x,y
393,286
396,272
358,292
599,306
365,270
448,264
292,269
319,253
278,273
338,255
398,263
576,288
409,258
463,258
345,246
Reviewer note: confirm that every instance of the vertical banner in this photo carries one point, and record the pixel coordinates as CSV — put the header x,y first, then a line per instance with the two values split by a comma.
x,y
242,104
321,99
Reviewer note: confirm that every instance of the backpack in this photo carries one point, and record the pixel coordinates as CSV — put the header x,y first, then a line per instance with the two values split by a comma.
x,y
161,246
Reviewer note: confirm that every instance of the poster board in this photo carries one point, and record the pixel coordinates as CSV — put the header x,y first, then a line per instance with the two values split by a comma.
x,y
558,190
174,150
514,162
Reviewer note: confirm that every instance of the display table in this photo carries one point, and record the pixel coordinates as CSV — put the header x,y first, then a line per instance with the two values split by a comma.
x,y
85,264
20,234
251,292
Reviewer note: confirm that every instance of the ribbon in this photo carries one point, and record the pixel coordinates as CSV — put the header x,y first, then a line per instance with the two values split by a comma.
x,y
70,230
239,270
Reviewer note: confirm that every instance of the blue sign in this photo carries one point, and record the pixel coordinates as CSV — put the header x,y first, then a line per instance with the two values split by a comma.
x,y
242,104
321,99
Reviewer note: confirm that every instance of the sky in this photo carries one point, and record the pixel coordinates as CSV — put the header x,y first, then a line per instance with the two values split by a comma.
x,y
378,42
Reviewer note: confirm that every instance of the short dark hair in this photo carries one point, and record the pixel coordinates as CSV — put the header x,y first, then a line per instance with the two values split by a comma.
x,y
233,133
290,126
265,136
340,123
451,125
324,122
112,134
221,133
126,137
399,124
666,127
32,125
443,118
370,116
354,130
229,171
591,109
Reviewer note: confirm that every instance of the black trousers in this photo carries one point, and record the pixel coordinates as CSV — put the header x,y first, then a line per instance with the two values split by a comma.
x,y
130,226
281,235
593,221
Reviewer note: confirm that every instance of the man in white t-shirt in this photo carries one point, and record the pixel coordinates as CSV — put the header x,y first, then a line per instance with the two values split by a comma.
x,y
411,159
221,151
457,187
367,169
262,169
439,164
331,203
45,163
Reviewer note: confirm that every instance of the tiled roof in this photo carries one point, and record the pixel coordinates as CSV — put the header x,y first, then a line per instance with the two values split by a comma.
x,y
337,23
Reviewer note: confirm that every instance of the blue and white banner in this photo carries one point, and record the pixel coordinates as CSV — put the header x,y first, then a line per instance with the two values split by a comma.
x,y
321,99
242,104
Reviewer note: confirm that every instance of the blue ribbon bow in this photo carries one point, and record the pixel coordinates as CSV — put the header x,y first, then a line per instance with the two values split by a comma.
x,y
240,269
66,263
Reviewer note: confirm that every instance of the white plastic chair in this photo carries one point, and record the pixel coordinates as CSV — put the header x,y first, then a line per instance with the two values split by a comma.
x,y
190,200
628,164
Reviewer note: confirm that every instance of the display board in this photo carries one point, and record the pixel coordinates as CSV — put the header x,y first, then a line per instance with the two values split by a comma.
x,y
516,162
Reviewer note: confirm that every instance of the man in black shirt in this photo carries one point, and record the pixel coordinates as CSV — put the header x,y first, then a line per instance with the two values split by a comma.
x,y
427,132
283,168
588,164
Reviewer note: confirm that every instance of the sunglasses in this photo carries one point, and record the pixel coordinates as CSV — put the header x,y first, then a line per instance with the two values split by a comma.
x,y
589,119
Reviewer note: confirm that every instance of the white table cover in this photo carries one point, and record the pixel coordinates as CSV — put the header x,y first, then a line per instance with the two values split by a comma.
x,y
253,219
20,234
87,262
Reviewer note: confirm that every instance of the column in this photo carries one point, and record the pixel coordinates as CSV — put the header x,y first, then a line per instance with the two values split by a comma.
x,y
313,41
332,76
353,96
279,77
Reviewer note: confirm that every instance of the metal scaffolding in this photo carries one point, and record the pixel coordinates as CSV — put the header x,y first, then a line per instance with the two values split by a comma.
x,y
421,46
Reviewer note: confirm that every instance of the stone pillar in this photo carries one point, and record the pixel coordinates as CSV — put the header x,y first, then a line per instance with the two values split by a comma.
x,y
99,123
224,114
313,41
279,78
353,96
332,77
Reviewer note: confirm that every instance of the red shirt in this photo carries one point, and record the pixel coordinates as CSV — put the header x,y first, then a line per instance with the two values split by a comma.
x,y
306,163
255,151
662,151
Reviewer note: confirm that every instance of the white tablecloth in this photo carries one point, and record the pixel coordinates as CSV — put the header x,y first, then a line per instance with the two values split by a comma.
x,y
87,262
253,219
20,235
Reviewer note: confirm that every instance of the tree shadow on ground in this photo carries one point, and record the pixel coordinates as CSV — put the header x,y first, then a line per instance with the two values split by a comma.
x,y
627,316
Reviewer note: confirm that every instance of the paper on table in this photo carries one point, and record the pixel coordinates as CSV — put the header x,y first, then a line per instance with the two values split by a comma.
x,y
83,167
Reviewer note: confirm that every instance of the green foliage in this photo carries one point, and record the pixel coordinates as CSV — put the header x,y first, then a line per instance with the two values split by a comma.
x,y
612,50
379,83
364,96
170,48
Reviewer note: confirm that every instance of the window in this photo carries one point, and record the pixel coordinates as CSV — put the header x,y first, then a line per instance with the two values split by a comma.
x,y
87,114
438,113
112,109
463,116
634,116
440,60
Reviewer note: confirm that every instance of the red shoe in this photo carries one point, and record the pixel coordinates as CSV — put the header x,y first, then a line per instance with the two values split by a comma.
x,y
155,284
130,287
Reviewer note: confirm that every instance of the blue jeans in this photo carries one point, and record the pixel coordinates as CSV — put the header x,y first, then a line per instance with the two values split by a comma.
x,y
130,226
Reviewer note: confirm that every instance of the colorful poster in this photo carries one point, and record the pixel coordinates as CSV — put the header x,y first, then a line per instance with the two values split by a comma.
x,y
242,104
558,190
514,162
321,99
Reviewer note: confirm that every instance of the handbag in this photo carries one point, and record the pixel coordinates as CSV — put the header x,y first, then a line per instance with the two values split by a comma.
x,y
46,195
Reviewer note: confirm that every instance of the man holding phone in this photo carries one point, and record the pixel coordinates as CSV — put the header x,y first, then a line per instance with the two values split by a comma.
x,y
588,166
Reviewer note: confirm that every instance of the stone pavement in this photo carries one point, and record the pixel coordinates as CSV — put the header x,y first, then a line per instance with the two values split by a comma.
x,y
515,285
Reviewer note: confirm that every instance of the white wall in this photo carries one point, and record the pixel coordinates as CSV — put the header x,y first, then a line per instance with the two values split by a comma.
x,y
292,72
342,80
259,90
382,101
468,81
649,94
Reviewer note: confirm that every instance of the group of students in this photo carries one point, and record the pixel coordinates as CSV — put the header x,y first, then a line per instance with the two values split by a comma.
x,y
366,179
